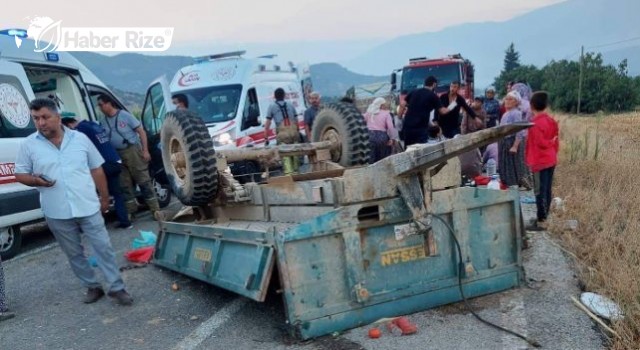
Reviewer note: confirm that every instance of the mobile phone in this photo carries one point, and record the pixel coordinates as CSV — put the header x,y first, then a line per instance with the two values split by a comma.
x,y
45,178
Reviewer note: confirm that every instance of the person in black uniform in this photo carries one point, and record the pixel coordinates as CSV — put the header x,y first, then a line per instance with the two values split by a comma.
x,y
418,105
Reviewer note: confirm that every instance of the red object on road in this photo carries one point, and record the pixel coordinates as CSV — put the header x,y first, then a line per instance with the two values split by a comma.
x,y
374,333
481,180
140,255
405,325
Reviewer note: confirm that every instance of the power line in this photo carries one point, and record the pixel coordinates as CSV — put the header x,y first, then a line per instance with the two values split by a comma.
x,y
613,43
571,55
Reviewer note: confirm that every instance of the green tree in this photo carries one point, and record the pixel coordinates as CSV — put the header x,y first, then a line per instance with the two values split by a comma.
x,y
560,80
511,59
605,87
528,74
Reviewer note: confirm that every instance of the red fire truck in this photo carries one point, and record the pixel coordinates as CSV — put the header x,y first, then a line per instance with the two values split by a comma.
x,y
446,70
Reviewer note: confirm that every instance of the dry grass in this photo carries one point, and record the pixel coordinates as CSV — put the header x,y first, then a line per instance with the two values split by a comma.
x,y
598,178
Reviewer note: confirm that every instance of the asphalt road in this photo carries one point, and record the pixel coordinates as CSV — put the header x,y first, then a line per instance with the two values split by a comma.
x,y
47,299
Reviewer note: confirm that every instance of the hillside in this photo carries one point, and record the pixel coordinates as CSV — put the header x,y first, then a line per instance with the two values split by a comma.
x,y
331,79
132,73
550,33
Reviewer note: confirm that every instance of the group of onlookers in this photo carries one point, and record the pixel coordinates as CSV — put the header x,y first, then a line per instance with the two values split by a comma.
x,y
525,159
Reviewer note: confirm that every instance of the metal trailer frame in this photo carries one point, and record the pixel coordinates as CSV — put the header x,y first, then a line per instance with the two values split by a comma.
x,y
355,245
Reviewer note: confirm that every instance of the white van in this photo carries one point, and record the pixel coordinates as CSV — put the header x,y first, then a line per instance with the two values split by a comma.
x,y
25,75
231,94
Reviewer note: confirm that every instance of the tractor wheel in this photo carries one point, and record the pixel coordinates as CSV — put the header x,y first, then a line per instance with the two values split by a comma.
x,y
189,159
343,124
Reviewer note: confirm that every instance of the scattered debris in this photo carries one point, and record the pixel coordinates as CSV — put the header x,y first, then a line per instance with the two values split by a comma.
x,y
147,238
194,317
403,324
528,199
175,287
132,266
140,255
570,225
374,333
557,204
594,317
602,306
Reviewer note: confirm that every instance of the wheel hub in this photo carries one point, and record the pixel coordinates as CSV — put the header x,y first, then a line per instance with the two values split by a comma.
x,y
333,136
178,161
6,239
161,192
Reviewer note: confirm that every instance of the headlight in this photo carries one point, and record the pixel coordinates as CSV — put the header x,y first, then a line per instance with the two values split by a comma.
x,y
222,139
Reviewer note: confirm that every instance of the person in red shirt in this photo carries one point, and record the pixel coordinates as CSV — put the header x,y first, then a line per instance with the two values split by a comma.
x,y
541,153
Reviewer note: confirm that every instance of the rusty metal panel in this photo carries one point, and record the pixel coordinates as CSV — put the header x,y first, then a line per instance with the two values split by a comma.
x,y
235,259
300,214
295,193
359,263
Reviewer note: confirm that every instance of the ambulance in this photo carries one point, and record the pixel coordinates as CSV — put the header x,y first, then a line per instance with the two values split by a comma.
x,y
24,75
231,94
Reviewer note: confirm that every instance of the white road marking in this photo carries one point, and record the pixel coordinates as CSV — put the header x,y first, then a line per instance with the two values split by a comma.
x,y
31,252
207,327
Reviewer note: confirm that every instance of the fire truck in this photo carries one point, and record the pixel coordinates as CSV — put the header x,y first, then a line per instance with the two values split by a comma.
x,y
446,69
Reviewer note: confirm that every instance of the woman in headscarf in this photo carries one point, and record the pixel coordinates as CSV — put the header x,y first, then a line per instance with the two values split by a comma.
x,y
512,168
525,94
527,116
382,133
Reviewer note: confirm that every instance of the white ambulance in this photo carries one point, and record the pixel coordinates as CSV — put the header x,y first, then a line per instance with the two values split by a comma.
x,y
25,75
231,94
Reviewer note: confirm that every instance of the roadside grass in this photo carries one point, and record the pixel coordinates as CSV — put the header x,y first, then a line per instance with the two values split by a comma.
x,y
598,178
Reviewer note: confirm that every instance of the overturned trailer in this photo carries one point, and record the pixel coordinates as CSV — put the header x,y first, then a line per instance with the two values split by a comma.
x,y
350,245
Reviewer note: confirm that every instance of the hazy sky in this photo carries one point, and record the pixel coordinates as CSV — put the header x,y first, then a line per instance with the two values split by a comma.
x,y
229,22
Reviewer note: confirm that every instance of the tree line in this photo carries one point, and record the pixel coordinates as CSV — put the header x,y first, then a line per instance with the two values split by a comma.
x,y
604,87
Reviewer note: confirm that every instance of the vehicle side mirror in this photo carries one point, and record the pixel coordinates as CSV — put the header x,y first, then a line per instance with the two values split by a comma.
x,y
394,81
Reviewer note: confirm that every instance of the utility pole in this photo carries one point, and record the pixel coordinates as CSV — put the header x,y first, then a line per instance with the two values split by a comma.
x,y
580,78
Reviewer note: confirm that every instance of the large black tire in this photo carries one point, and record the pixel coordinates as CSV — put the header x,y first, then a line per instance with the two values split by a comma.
x,y
344,124
10,241
189,159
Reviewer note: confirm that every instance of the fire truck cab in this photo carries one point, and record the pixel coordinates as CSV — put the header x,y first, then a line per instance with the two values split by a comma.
x,y
446,69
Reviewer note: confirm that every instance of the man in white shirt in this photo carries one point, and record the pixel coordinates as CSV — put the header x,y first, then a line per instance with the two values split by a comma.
x,y
65,167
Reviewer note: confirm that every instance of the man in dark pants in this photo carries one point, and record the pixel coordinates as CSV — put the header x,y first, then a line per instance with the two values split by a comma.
x,y
418,105
541,154
111,167
449,121
311,112
128,137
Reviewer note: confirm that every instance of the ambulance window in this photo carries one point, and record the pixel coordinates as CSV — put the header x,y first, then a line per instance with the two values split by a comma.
x,y
60,86
251,112
154,110
15,117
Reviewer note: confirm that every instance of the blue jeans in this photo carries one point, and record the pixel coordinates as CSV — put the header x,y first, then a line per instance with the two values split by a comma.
x,y
112,172
67,232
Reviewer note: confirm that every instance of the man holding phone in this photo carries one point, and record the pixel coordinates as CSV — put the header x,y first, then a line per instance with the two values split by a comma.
x,y
65,167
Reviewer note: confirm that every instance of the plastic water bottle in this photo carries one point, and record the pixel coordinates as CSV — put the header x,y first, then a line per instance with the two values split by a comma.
x,y
491,167
494,184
